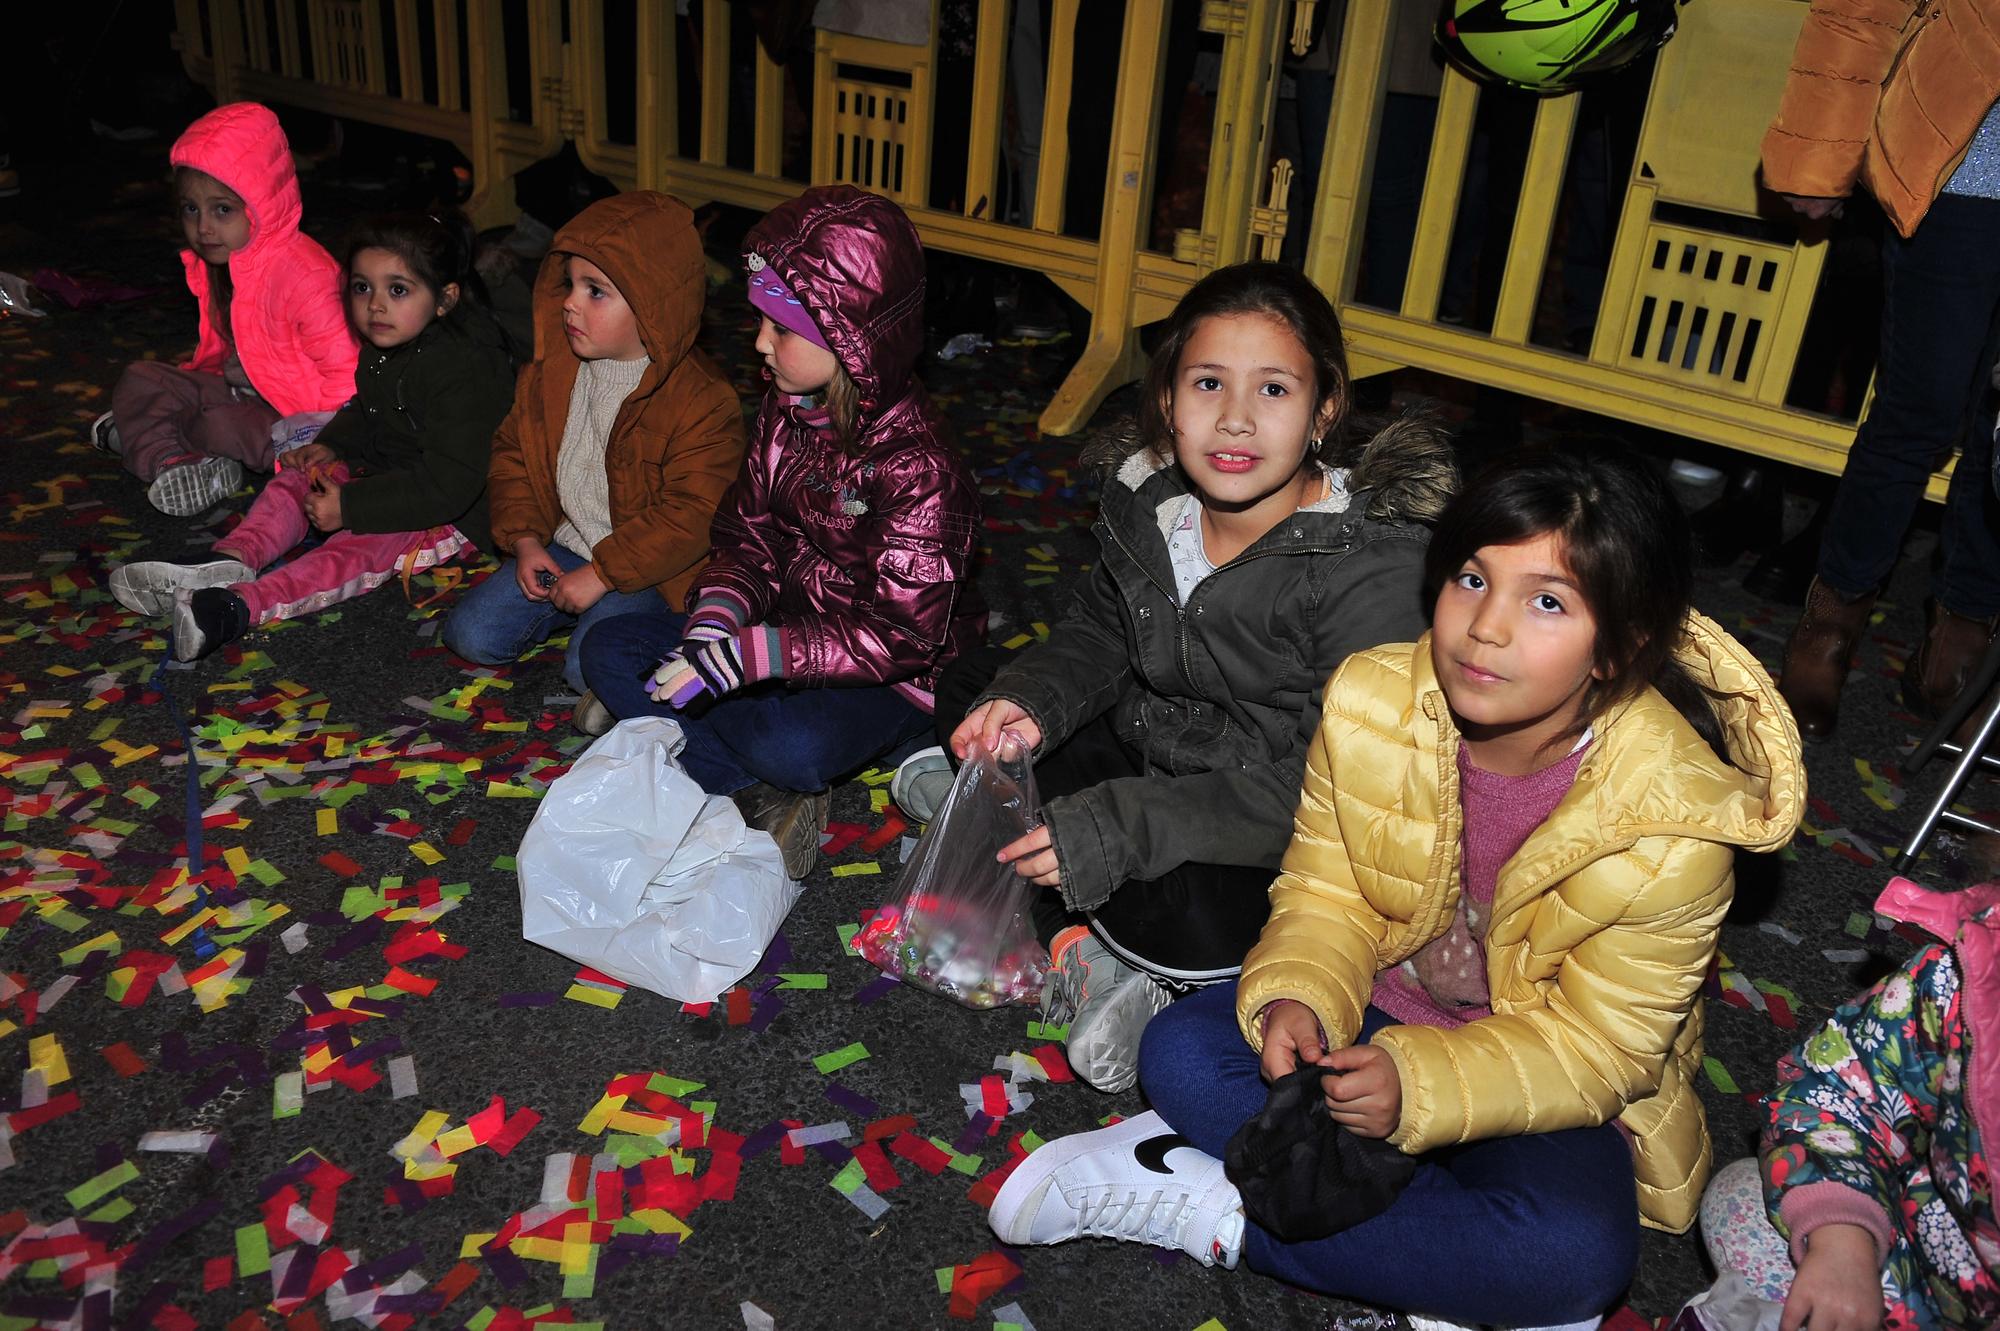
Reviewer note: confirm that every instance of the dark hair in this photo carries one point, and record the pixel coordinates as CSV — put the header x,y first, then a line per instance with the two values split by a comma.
x,y
221,290
1252,288
1627,544
438,247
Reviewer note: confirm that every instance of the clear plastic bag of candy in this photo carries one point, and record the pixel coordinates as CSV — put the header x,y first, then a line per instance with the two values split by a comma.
x,y
959,923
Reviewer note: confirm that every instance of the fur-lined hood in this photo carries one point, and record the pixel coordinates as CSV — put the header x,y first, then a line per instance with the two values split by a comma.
x,y
1405,472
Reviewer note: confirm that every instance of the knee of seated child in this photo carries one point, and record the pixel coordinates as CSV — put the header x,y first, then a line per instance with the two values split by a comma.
x,y
469,637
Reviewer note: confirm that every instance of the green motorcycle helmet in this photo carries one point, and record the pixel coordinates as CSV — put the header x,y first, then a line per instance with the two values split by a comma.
x,y
1550,46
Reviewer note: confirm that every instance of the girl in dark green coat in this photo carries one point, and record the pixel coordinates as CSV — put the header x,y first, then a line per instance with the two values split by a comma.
x,y
397,479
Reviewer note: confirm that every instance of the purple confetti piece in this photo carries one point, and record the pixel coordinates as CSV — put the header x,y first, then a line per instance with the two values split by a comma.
x,y
852,1101
974,1134
164,1233
527,1000
875,989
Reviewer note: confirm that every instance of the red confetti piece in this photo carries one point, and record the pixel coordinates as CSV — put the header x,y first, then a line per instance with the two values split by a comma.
x,y
978,1280
217,1272
518,1125
889,1127
122,1060
739,1005
993,1093
339,863
882,1175
1054,1062
921,1153
23,1119
461,832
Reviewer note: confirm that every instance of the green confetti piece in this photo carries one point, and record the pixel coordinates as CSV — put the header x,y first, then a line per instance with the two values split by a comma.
x,y
503,863
828,1064
111,1212
1212,1324
797,980
253,1251
678,1087
847,932
1032,1140
1038,1030
482,1319
91,1191
944,1275
1859,923
265,872
1007,1326
850,1177
1719,1075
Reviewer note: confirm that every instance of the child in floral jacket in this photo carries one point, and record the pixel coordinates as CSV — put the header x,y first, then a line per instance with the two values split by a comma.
x,y
1873,1167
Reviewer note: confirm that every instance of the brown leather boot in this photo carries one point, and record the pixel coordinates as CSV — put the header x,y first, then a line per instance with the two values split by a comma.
x,y
1819,655
1943,661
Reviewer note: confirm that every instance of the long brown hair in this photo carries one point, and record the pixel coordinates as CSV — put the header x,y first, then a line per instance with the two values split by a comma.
x,y
843,404
1627,543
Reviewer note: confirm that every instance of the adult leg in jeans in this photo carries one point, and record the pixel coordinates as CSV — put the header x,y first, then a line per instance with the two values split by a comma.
x,y
495,623
793,739
1539,1229
1941,288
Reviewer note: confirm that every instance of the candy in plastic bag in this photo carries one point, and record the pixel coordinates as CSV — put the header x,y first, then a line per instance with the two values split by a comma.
x,y
959,924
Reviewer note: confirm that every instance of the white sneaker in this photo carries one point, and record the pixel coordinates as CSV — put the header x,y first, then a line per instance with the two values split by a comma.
x,y
921,783
195,487
1138,1180
104,435
1106,1005
148,588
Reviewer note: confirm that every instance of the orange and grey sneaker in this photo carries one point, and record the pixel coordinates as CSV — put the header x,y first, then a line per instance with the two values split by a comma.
x,y
1105,1003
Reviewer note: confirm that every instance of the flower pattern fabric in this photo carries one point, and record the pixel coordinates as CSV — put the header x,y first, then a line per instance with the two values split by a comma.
x,y
1874,1100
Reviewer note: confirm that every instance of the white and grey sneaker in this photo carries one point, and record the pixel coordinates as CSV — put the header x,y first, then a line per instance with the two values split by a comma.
x,y
1138,1180
195,487
104,435
148,588
921,782
1106,1005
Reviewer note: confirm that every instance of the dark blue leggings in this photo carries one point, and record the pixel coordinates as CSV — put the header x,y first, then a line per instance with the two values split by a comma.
x,y
1514,1231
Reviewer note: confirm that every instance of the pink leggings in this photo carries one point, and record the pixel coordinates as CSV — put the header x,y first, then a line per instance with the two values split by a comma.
x,y
346,565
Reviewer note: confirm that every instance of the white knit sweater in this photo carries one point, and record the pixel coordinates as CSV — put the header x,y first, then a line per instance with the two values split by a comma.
x,y
581,484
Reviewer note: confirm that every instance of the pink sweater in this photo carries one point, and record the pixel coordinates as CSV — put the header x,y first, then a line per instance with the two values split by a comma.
x,y
1444,984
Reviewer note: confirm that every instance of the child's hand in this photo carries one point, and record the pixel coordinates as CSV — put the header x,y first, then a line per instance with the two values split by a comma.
x,y
531,561
675,683
1367,1097
985,722
322,505
1839,1283
1033,857
577,590
1291,1036
307,456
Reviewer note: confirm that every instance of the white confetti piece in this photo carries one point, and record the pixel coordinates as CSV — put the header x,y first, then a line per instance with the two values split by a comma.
x,y
813,1136
185,1143
402,1077
868,1201
1845,956
288,1093
294,938
1780,931
755,1318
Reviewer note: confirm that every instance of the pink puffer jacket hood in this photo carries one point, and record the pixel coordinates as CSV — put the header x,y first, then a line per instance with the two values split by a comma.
x,y
285,310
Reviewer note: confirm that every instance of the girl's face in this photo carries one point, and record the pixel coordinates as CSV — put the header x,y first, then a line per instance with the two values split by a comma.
x,y
798,365
596,319
213,218
1244,414
1514,645
388,306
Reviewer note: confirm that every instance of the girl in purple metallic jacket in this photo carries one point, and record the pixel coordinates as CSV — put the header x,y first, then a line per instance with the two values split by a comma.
x,y
838,584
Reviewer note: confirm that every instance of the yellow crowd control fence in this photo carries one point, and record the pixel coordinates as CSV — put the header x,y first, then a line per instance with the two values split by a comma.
x,y
1700,322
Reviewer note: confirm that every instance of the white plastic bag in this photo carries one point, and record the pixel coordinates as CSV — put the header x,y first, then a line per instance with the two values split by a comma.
x,y
630,868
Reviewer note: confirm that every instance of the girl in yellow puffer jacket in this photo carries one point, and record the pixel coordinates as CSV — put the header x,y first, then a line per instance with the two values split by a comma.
x,y
1509,865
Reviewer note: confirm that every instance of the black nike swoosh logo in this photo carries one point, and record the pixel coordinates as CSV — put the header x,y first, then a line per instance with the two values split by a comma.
x,y
1152,1152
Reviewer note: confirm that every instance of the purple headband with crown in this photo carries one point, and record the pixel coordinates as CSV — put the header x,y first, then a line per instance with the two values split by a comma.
x,y
770,296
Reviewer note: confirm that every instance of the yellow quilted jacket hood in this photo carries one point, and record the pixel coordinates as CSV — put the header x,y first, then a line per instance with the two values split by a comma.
x,y
1603,924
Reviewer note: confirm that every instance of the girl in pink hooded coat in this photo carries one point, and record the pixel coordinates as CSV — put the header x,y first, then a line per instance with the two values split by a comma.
x,y
274,338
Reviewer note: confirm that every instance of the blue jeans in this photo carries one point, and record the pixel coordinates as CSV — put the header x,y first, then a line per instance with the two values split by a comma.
x,y
494,624
794,739
1940,296
1514,1231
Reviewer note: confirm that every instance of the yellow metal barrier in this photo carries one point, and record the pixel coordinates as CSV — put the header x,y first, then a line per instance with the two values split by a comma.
x,y
1697,333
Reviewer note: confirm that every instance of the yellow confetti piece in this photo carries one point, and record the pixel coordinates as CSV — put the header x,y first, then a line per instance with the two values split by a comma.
x,y
134,755
238,860
600,1114
584,993
46,1053
326,821
456,1142
426,852
855,870
421,1135
661,1222
472,1243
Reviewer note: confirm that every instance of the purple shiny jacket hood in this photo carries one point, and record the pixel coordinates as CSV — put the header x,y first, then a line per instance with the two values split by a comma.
x,y
854,261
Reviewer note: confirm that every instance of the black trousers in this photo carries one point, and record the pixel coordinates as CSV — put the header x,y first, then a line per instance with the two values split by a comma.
x,y
1189,927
